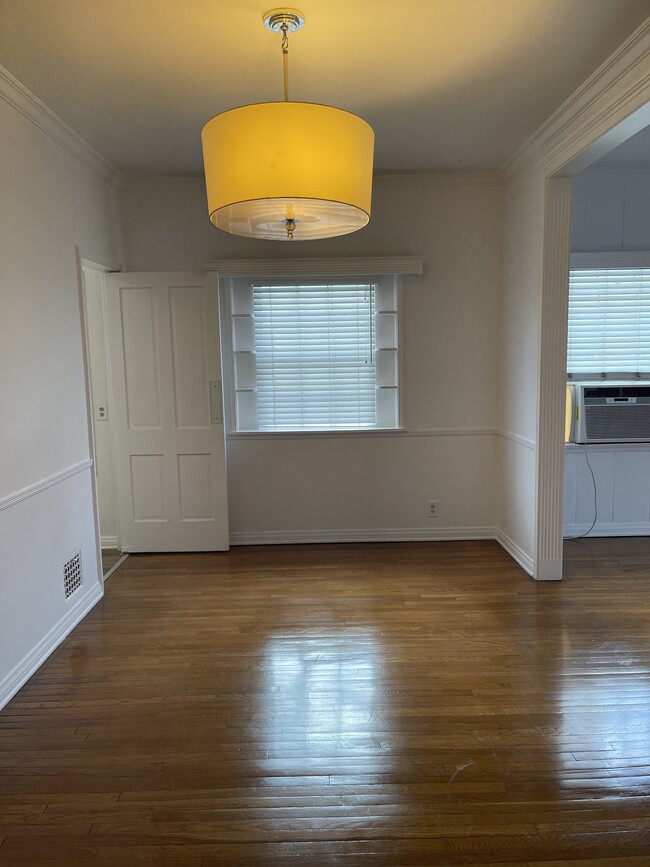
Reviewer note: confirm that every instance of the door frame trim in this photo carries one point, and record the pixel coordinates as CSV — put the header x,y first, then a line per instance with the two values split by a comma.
x,y
100,263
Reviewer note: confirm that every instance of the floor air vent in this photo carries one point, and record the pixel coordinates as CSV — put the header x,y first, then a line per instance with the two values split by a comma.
x,y
72,575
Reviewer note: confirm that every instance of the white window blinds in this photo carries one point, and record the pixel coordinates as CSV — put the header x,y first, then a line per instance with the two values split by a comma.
x,y
314,349
609,321
314,356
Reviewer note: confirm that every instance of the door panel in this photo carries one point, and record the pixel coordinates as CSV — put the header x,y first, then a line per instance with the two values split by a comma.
x,y
163,337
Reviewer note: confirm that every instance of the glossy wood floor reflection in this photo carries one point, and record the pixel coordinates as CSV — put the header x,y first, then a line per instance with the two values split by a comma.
x,y
407,704
110,558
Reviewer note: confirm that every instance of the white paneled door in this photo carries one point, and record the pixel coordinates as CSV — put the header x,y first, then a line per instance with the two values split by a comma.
x,y
163,338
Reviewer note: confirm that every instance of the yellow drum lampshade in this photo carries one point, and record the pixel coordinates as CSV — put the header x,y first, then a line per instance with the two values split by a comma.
x,y
288,170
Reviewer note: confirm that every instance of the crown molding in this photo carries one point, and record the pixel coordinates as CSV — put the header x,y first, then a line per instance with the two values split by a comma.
x,y
580,120
30,106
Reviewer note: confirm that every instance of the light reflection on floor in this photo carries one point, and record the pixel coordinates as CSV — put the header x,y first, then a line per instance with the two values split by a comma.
x,y
319,698
600,691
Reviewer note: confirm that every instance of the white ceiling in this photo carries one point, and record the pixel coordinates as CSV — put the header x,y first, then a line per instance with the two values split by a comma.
x,y
445,83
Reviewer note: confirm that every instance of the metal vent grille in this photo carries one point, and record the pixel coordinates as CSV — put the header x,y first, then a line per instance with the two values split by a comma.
x,y
618,422
72,575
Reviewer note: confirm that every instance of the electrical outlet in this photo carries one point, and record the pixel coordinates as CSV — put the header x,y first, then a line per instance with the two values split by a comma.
x,y
432,509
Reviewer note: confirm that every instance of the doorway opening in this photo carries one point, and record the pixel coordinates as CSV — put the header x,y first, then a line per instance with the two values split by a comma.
x,y
551,435
607,454
100,413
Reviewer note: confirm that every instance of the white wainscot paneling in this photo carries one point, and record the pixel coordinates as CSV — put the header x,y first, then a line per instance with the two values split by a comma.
x,y
631,500
622,480
39,532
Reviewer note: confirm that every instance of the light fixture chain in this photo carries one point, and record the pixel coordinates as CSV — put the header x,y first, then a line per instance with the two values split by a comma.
x,y
285,60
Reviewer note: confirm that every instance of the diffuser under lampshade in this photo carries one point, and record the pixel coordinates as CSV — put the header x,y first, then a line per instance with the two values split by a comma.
x,y
278,161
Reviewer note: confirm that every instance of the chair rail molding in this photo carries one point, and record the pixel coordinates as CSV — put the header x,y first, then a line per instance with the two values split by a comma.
x,y
44,484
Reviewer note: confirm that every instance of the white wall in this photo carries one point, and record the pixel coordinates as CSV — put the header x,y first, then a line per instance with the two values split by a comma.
x,y
520,313
610,211
100,391
51,202
303,487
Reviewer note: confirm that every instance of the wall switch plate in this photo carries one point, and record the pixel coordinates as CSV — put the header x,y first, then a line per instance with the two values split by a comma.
x,y
432,509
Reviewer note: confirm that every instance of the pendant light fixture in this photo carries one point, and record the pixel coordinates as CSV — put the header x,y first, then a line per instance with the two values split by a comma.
x,y
288,170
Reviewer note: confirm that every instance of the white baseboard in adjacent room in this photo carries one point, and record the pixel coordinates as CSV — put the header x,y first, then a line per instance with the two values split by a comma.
x,y
641,529
109,542
25,669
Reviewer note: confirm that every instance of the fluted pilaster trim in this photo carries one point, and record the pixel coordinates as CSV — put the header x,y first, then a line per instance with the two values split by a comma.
x,y
553,348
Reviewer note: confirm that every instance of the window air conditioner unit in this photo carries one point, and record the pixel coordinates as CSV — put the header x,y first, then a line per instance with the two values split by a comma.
x,y
611,413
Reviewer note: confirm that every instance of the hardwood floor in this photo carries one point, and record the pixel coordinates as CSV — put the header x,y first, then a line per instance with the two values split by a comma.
x,y
110,557
406,704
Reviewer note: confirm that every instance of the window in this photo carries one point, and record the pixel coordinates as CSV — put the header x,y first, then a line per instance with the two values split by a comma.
x,y
609,322
314,354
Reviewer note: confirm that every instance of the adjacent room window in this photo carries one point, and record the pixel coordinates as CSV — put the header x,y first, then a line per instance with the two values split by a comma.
x,y
609,322
314,354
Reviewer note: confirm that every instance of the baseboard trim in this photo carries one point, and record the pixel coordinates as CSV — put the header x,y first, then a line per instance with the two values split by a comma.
x,y
25,669
571,530
517,553
548,570
399,534
109,541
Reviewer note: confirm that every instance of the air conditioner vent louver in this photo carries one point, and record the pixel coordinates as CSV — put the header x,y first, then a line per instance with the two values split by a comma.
x,y
616,422
72,575
612,413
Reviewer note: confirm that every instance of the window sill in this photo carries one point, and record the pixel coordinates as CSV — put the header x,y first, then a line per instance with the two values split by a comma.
x,y
315,434
368,433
